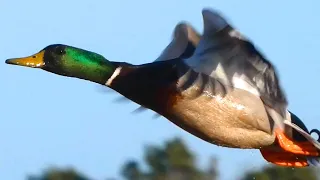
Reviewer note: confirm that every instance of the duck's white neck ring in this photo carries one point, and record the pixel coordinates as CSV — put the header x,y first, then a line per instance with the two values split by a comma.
x,y
113,76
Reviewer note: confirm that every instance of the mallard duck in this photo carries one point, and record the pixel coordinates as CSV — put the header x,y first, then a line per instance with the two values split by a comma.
x,y
217,86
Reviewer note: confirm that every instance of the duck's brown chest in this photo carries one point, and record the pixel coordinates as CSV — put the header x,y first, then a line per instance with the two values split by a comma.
x,y
237,119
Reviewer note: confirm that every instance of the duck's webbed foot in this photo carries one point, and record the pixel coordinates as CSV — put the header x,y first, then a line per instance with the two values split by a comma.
x,y
278,156
302,148
298,149
306,146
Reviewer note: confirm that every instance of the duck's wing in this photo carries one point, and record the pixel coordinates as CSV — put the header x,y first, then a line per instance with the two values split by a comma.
x,y
225,55
183,44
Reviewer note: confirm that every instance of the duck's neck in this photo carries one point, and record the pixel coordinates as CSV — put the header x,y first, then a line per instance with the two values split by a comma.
x,y
145,84
88,66
100,75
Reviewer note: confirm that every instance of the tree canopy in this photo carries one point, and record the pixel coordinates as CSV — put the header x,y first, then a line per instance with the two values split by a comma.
x,y
54,173
173,160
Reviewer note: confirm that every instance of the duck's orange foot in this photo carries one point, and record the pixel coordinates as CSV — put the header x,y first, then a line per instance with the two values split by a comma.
x,y
282,158
302,148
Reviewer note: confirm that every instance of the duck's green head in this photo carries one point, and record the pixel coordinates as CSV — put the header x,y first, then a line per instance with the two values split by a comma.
x,y
69,61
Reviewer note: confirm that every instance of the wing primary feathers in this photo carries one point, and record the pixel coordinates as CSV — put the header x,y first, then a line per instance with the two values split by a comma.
x,y
184,41
224,53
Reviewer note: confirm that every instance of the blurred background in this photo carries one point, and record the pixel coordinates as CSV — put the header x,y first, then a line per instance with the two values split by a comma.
x,y
57,128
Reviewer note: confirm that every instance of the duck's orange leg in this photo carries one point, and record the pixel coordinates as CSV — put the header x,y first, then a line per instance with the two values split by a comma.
x,y
302,148
278,156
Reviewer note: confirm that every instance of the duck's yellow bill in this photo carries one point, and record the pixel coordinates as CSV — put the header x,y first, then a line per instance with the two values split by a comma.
x,y
34,61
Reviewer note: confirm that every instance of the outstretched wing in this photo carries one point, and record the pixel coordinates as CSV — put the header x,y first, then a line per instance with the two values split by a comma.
x,y
184,41
225,55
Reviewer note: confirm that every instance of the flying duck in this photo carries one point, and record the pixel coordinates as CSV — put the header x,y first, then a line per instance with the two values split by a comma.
x,y
216,86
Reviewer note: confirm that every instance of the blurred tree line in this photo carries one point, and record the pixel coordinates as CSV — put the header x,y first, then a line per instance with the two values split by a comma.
x,y
175,161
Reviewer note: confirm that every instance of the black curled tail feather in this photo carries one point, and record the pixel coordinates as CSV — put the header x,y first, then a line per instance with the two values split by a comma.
x,y
317,132
315,161
296,134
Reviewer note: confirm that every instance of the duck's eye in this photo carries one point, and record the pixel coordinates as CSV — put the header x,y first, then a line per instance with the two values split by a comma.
x,y
60,50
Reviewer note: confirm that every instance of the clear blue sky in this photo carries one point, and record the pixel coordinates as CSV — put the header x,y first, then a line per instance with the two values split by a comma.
x,y
48,120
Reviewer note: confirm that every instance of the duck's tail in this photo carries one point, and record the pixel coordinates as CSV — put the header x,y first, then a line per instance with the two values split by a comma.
x,y
302,134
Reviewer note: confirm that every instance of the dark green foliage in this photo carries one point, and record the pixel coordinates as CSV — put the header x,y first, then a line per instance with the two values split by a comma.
x,y
59,174
172,161
132,171
175,161
282,173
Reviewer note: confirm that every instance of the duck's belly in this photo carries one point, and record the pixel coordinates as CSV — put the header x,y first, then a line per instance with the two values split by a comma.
x,y
236,120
